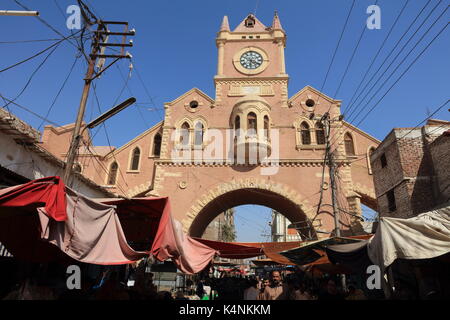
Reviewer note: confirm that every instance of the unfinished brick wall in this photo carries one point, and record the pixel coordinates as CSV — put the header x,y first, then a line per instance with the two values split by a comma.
x,y
415,163
440,153
388,177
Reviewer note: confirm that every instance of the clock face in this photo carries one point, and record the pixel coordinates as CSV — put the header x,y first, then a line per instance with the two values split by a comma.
x,y
251,60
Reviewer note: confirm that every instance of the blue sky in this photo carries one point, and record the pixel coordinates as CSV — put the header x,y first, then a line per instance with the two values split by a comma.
x,y
175,51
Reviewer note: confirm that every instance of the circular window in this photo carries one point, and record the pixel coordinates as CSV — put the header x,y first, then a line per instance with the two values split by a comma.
x,y
193,104
310,103
77,168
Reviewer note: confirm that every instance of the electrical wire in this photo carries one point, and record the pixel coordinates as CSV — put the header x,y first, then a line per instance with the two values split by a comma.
x,y
386,58
30,111
395,58
377,54
60,90
37,54
32,76
49,26
29,41
401,76
427,118
337,46
351,59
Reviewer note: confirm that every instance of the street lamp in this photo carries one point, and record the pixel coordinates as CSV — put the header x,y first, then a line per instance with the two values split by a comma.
x,y
18,13
108,114
73,148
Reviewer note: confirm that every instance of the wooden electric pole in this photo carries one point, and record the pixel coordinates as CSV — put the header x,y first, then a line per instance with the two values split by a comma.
x,y
98,44
82,108
332,172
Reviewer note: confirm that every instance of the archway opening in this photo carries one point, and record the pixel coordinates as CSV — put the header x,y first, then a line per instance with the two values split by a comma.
x,y
264,200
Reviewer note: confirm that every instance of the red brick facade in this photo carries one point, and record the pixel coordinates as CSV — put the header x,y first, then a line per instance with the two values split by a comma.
x,y
416,170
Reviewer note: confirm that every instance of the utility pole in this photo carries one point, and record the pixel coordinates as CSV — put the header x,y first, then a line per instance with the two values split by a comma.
x,y
97,44
332,170
82,108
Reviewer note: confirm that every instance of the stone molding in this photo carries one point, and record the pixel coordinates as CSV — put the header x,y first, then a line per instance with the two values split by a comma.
x,y
249,183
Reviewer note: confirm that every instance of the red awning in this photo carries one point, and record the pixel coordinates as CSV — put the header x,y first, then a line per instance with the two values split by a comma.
x,y
43,219
244,250
232,250
47,192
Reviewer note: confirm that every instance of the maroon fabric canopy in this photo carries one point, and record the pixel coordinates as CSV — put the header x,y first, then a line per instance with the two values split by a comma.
x,y
233,250
47,192
106,231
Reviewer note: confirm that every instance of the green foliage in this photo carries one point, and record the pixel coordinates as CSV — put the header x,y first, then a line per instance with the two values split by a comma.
x,y
228,233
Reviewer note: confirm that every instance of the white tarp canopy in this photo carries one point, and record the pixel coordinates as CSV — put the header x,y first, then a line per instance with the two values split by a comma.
x,y
423,237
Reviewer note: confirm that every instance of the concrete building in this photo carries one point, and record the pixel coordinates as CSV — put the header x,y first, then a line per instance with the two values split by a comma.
x,y
222,228
280,231
251,110
22,158
411,169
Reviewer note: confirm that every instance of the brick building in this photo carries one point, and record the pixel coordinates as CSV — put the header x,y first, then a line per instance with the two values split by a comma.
x,y
251,109
411,169
222,228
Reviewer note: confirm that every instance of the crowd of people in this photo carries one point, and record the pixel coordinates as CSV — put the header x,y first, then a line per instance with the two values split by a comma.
x,y
293,286
137,283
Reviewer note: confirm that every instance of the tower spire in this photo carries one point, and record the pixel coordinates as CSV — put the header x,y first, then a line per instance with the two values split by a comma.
x,y
225,25
276,24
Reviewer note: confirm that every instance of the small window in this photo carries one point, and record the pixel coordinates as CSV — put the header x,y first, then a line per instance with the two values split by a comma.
x,y
320,133
237,125
310,103
257,37
266,127
135,157
250,22
112,176
250,37
193,104
199,131
391,200
243,37
251,118
349,146
184,135
383,160
306,135
157,145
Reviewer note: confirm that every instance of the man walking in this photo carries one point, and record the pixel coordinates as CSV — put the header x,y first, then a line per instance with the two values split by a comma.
x,y
277,290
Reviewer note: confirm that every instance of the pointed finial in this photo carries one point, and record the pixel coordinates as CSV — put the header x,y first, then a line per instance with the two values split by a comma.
x,y
276,24
225,26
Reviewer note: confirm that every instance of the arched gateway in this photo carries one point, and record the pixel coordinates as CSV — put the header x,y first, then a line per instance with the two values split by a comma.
x,y
195,156
250,191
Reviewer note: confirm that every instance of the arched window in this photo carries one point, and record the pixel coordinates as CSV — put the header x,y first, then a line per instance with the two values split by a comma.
x,y
237,123
369,154
349,147
251,123
198,133
320,133
184,135
112,176
266,126
157,145
306,135
135,157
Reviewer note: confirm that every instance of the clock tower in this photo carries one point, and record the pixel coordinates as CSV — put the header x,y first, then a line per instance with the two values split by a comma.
x,y
251,61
